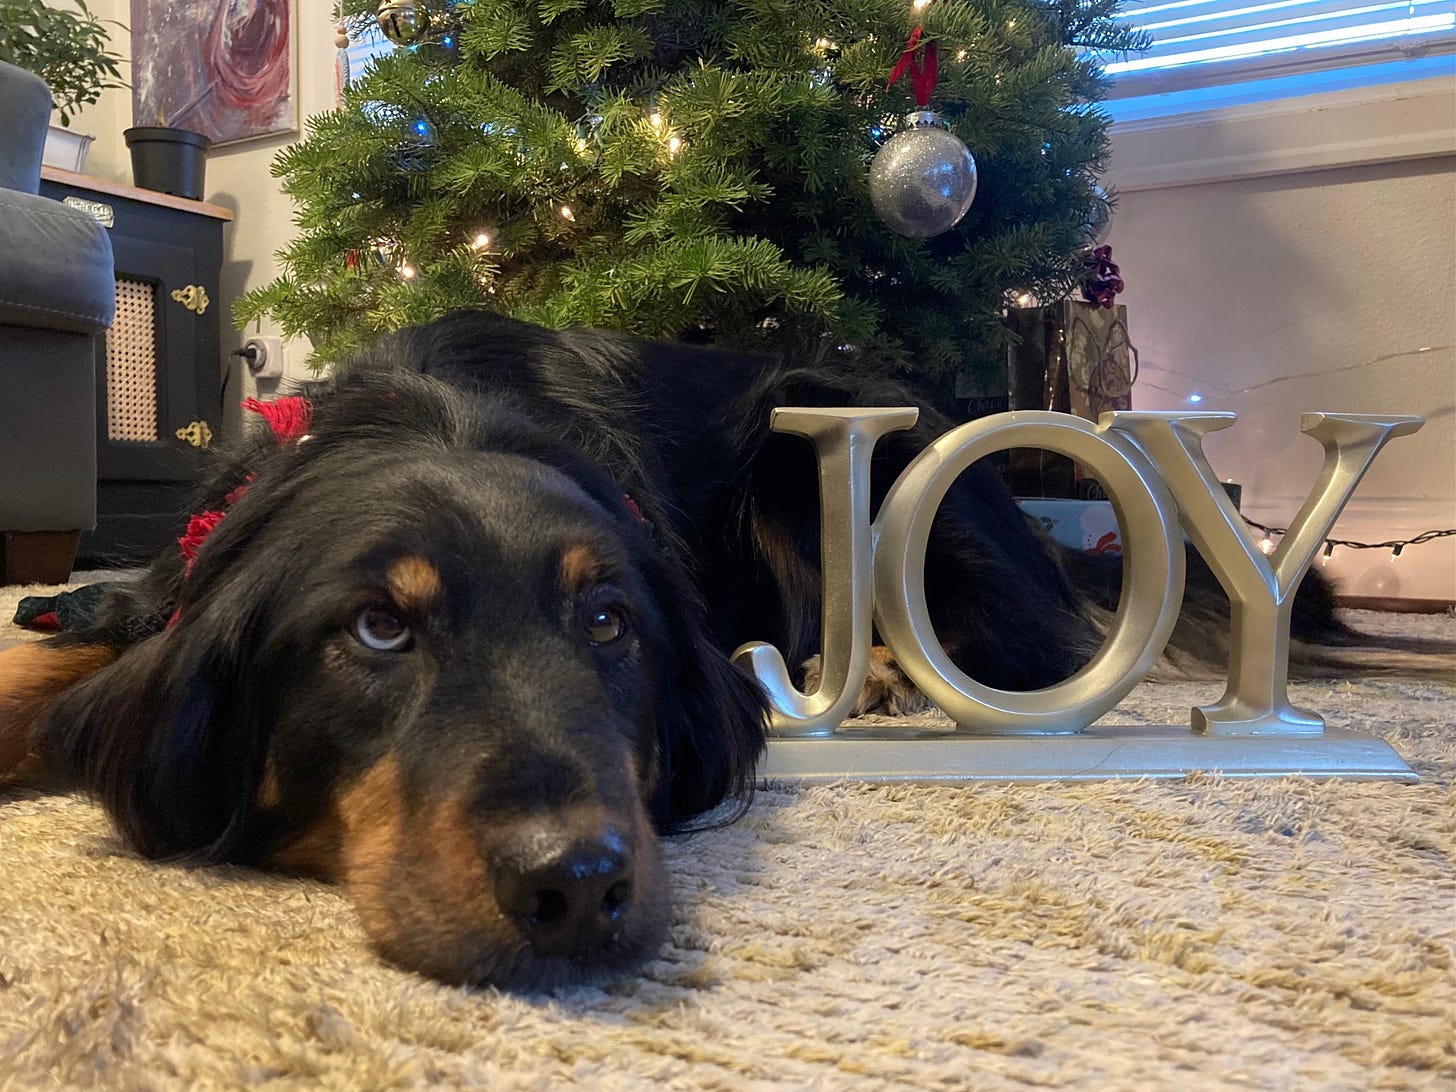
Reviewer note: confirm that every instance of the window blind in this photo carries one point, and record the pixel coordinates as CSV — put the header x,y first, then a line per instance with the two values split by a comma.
x,y
370,44
1202,42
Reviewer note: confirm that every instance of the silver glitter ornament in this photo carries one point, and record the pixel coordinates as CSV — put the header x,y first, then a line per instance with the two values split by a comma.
x,y
402,21
924,179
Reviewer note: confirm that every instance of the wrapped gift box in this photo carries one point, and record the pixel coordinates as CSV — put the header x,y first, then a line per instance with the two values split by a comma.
x,y
1071,357
1082,525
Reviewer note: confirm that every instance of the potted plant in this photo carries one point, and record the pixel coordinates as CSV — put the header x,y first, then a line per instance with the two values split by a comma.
x,y
167,159
69,49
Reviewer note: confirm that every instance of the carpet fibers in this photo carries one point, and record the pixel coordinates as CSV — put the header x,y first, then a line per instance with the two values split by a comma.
x,y
1119,935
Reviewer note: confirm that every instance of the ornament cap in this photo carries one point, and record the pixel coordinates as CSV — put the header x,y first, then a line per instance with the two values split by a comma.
x,y
921,119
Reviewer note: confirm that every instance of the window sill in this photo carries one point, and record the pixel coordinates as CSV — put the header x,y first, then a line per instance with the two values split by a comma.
x,y
1268,127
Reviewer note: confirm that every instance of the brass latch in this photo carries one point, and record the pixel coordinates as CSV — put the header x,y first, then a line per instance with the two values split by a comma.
x,y
197,434
193,297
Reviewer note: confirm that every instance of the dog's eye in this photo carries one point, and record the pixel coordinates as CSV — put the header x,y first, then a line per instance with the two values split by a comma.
x,y
605,626
381,629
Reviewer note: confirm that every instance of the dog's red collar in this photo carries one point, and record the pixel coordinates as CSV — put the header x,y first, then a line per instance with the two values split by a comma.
x,y
289,420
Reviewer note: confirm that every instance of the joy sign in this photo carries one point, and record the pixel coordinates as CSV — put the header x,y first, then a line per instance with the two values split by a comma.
x,y
1154,471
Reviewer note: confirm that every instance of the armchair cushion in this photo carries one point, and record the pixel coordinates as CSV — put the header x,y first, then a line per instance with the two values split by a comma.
x,y
23,123
58,273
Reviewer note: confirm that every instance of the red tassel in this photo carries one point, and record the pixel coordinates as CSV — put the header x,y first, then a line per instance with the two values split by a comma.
x,y
241,491
288,417
198,528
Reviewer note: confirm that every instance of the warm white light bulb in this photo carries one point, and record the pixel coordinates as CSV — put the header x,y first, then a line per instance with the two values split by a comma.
x,y
674,145
1266,544
656,119
482,240
566,213
920,5
407,271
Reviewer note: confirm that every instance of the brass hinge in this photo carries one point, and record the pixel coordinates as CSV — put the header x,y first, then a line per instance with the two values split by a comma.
x,y
197,434
193,297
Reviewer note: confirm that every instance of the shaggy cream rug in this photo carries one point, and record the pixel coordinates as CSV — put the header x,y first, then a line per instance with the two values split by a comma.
x,y
1204,933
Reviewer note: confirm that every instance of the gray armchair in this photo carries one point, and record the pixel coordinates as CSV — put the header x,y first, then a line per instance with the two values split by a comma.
x,y
57,297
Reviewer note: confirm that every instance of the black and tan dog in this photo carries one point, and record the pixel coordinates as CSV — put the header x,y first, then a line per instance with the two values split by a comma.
x,y
464,646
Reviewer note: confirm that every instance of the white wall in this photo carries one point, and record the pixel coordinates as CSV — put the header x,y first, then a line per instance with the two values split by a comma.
x,y
1348,273
105,120
1329,289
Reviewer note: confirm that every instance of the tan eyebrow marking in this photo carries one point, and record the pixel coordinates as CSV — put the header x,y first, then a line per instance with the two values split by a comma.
x,y
580,567
414,582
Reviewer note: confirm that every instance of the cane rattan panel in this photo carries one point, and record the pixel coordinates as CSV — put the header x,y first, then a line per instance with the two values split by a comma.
x,y
131,363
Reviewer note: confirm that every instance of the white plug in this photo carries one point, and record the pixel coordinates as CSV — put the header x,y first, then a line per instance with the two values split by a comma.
x,y
264,356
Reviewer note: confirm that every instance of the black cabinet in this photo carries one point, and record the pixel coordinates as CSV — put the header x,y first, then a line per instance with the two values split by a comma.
x,y
158,370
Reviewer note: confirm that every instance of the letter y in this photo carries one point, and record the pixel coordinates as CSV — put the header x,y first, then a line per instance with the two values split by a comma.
x,y
1260,589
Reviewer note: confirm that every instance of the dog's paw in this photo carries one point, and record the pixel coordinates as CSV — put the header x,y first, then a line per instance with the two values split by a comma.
x,y
886,690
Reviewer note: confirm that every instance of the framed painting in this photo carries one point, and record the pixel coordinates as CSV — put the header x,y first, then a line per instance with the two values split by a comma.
x,y
222,68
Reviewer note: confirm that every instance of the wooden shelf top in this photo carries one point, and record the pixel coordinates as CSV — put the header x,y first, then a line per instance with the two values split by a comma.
x,y
133,193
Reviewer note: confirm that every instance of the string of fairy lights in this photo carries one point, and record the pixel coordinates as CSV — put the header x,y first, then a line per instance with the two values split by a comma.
x,y
1268,534
389,251
480,238
1395,546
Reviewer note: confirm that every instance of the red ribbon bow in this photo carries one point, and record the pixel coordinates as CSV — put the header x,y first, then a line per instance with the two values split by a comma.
x,y
1103,281
923,64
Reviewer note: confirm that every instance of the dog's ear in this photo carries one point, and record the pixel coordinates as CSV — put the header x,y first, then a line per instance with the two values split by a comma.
x,y
170,738
711,717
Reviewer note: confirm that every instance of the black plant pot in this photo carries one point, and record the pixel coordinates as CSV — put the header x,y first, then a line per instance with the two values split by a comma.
x,y
168,160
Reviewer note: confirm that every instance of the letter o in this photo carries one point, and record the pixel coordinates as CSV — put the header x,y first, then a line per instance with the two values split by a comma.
x,y
1152,577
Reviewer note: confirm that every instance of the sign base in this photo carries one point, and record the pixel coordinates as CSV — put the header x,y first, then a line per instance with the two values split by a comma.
x,y
1097,754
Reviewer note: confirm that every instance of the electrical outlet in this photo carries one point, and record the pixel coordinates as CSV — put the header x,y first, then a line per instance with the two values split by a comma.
x,y
264,355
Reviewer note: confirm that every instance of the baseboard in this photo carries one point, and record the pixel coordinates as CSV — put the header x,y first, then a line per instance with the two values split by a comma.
x,y
1393,605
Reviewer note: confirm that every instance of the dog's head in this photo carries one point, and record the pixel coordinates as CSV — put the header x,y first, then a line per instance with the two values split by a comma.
x,y
437,655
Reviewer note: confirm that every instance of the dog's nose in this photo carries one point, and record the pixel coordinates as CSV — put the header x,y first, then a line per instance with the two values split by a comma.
x,y
569,899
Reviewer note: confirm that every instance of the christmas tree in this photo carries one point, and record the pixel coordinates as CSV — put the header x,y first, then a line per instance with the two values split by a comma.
x,y
696,169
